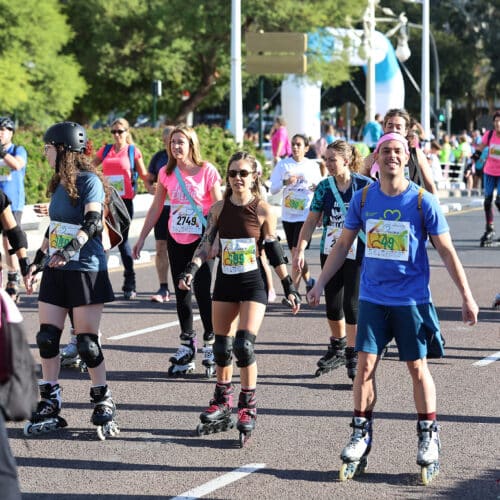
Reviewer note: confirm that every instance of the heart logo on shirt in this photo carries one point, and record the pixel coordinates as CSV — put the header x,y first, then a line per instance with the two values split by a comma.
x,y
392,214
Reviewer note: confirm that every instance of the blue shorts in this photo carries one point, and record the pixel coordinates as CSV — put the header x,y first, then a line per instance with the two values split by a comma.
x,y
490,183
412,327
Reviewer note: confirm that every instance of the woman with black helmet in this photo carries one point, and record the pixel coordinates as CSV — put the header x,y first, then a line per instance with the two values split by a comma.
x,y
75,276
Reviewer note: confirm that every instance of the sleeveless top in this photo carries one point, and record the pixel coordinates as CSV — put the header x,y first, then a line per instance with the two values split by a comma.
x,y
414,168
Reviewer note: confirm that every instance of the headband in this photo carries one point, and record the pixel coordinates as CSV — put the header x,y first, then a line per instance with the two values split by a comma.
x,y
392,136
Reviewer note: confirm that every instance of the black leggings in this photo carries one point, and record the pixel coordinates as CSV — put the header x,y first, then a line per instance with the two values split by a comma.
x,y
342,292
180,255
126,251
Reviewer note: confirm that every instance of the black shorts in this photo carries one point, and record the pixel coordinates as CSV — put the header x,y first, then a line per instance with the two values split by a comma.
x,y
75,288
292,231
250,286
161,226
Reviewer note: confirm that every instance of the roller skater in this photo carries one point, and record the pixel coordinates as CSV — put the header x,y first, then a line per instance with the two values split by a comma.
x,y
208,354
487,238
128,287
351,362
247,415
46,417
183,360
334,357
217,417
354,455
429,446
496,302
12,287
104,412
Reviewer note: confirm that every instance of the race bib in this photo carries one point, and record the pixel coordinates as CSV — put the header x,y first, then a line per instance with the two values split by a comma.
x,y
5,172
387,239
185,220
118,182
60,234
332,235
238,255
296,201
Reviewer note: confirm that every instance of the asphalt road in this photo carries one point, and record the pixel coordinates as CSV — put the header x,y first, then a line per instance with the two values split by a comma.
x,y
303,421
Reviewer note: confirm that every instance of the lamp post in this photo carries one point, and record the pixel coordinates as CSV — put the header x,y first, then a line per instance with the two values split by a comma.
x,y
369,28
235,104
425,113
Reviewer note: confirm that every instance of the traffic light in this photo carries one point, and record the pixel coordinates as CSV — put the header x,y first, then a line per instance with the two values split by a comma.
x,y
441,115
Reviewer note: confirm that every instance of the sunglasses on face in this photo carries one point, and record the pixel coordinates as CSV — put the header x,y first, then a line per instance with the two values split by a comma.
x,y
241,173
119,132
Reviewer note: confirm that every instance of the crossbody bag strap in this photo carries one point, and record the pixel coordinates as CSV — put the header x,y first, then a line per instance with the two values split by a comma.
x,y
195,207
340,201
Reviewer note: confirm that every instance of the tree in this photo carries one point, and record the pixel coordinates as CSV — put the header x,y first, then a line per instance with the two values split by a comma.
x,y
32,37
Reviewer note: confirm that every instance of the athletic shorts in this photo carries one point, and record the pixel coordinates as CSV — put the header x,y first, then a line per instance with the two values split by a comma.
x,y
75,288
245,287
490,183
161,226
292,231
411,327
18,215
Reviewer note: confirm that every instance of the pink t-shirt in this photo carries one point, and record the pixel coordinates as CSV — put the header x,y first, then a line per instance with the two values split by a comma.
x,y
281,135
183,223
492,165
117,169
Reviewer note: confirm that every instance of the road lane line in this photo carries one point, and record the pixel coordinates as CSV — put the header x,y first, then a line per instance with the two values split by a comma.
x,y
487,360
219,482
150,329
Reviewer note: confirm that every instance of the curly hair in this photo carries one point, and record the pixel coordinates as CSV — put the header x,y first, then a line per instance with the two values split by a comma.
x,y
349,152
238,156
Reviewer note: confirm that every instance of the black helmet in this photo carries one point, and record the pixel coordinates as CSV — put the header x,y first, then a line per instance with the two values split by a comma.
x,y
6,122
71,135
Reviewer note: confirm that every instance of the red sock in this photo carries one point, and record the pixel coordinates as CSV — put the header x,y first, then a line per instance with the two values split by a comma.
x,y
427,416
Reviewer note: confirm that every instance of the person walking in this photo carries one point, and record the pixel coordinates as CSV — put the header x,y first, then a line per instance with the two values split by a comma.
x,y
394,299
329,205
245,225
192,185
122,163
13,160
75,276
280,142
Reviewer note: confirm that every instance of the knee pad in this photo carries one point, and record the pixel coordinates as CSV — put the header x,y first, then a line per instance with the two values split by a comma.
x,y
243,348
48,339
222,349
488,201
497,202
89,349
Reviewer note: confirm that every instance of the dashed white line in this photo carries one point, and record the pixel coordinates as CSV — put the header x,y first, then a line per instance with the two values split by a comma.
x,y
219,482
487,360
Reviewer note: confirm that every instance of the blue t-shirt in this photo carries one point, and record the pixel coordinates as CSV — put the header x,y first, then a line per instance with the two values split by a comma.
x,y
90,189
324,201
395,268
12,181
159,160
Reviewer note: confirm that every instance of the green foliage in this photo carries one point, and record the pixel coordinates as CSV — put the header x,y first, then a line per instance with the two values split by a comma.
x,y
217,146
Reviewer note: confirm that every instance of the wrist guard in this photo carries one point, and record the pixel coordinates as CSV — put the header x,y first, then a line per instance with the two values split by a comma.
x,y
3,151
191,269
70,249
289,289
39,261
24,265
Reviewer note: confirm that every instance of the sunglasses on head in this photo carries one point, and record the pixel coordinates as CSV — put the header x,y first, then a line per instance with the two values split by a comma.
x,y
117,131
241,173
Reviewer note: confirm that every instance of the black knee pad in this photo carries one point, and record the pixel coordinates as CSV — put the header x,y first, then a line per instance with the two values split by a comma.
x,y
488,201
497,202
243,348
48,339
222,349
89,349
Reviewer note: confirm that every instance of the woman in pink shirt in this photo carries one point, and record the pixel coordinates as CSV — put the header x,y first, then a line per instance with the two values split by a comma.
x,y
192,185
280,143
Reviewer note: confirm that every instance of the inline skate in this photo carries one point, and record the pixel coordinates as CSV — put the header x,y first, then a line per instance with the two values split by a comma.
x,y
69,354
496,302
217,417
247,415
351,362
208,354
46,416
12,287
334,357
104,412
128,287
488,237
429,446
183,360
355,455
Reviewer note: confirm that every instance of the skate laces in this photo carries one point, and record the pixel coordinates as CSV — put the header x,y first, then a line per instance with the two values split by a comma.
x,y
183,350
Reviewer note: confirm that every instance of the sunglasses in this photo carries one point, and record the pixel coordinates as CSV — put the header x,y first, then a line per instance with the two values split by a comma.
x,y
241,173
120,132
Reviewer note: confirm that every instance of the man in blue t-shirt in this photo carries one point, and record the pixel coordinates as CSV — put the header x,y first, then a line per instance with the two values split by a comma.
x,y
395,300
372,132
12,171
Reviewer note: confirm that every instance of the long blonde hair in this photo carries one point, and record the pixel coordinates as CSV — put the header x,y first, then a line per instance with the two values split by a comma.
x,y
194,147
126,126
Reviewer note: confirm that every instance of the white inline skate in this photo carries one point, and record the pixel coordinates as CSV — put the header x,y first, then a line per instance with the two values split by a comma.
x,y
208,354
429,446
355,455
104,412
183,360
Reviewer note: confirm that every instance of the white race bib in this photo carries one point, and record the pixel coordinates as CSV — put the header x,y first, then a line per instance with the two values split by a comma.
x,y
332,235
60,234
5,172
118,182
238,255
185,220
387,239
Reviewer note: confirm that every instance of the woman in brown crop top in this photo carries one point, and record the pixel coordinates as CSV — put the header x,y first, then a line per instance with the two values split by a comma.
x,y
245,225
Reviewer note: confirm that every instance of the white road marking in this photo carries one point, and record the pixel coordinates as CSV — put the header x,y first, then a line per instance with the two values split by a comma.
x,y
219,482
150,329
487,360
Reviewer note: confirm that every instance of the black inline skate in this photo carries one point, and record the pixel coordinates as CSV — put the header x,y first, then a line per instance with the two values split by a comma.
x,y
488,237
12,287
208,354
334,357
217,417
128,287
429,446
46,416
104,412
69,354
247,415
183,360
351,362
355,455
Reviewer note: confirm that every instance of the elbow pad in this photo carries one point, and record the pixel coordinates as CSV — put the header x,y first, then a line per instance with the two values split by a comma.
x,y
92,224
274,253
17,239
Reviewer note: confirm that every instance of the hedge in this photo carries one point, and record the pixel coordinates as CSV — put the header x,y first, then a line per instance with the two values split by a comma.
x,y
217,145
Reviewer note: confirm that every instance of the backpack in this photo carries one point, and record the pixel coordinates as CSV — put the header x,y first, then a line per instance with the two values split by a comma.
x,y
131,154
116,218
18,381
479,165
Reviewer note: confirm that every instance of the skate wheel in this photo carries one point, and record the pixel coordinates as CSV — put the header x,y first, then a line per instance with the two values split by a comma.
x,y
100,433
347,471
209,371
170,371
28,429
429,472
200,428
244,438
318,372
